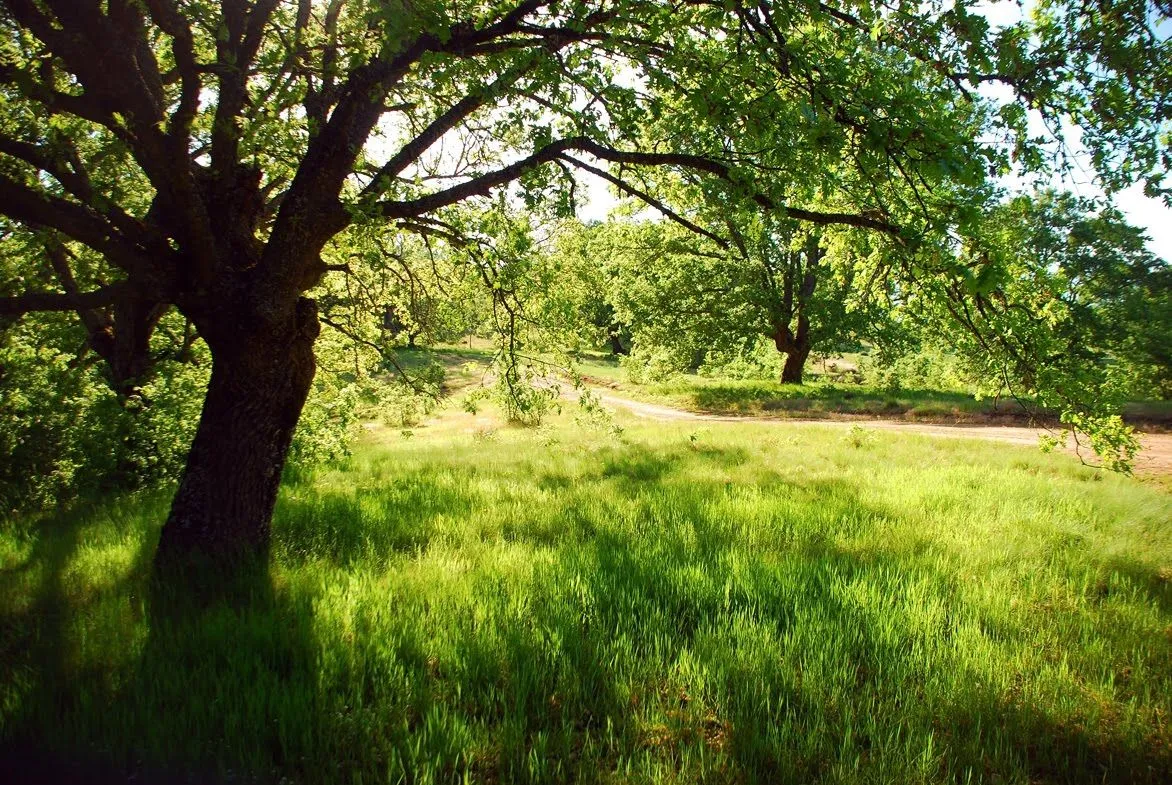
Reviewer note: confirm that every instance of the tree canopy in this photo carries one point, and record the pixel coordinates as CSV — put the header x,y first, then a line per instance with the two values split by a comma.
x,y
212,158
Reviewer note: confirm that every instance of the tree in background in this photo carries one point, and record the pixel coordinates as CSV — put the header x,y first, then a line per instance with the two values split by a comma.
x,y
814,291
791,278
203,156
680,295
584,263
1118,293
694,300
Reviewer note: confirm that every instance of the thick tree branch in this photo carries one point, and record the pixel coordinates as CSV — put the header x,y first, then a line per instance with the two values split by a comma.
x,y
111,58
167,16
646,197
99,325
76,181
310,212
73,220
331,155
234,56
723,172
55,301
485,183
49,162
458,112
59,103
482,185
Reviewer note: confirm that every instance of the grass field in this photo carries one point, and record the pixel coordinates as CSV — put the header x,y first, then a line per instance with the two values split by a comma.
x,y
739,603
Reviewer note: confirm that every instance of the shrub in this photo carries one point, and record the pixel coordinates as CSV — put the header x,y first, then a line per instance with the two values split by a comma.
x,y
650,364
64,431
760,360
928,368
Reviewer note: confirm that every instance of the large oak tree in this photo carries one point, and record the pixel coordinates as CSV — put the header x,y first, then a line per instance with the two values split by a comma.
x,y
203,155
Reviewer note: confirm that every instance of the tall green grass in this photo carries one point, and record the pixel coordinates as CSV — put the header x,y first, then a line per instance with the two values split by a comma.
x,y
734,604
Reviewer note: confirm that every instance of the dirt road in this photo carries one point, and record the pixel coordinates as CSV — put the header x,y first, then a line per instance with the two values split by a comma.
x,y
1155,457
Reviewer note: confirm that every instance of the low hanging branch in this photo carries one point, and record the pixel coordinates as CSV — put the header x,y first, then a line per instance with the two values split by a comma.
x,y
631,190
484,184
59,301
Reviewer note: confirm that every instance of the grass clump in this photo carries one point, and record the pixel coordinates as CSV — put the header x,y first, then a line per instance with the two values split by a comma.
x,y
752,605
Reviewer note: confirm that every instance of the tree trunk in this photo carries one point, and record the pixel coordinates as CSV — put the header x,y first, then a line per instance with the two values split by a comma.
x,y
795,364
224,505
796,348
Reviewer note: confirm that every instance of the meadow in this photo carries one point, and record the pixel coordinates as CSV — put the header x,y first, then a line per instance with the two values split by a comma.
x,y
744,602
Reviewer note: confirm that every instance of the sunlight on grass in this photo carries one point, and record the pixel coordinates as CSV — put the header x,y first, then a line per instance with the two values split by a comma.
x,y
728,604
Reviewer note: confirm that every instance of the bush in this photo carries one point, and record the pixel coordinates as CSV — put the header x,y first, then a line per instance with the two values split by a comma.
x,y
329,422
523,402
63,431
928,368
761,360
650,364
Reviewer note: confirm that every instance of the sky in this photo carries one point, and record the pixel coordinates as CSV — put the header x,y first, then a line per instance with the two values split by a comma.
x,y
1152,215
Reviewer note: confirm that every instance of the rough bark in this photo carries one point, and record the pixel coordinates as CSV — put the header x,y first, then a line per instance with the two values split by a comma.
x,y
796,346
795,364
258,388
616,345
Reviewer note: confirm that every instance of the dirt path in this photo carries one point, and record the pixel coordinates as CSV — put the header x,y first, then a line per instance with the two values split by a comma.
x,y
1155,457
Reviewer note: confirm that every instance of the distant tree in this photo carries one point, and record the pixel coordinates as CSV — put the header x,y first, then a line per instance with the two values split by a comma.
x,y
694,297
682,297
813,298
1118,293
584,264
791,277
203,155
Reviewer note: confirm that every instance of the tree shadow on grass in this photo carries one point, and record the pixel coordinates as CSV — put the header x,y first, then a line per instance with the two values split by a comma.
x,y
353,525
859,697
638,467
650,636
43,659
216,665
1154,581
685,586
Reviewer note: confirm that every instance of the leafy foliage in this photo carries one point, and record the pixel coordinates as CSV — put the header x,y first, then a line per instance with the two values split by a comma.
x,y
64,431
1048,303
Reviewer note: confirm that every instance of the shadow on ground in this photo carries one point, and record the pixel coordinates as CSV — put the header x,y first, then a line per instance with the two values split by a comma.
x,y
649,636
